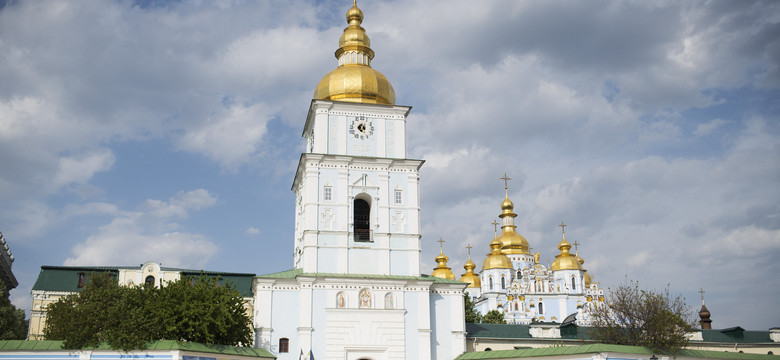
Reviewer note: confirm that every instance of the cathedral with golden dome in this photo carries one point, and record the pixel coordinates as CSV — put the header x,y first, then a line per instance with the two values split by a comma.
x,y
356,290
514,282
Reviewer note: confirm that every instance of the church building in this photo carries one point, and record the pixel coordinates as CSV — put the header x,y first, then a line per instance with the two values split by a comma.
x,y
356,290
515,283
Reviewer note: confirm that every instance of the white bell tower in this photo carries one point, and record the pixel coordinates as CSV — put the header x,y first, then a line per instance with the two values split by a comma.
x,y
357,196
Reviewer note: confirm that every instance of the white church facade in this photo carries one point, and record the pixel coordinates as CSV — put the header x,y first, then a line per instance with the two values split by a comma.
x,y
356,290
515,283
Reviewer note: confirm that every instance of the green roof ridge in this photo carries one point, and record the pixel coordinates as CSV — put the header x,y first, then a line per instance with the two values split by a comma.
x,y
56,345
294,273
65,278
600,348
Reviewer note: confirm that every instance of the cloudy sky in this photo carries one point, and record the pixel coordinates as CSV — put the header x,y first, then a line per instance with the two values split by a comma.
x,y
170,132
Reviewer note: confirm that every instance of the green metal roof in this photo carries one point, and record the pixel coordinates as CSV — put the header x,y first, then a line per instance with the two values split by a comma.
x,y
517,331
55,345
571,332
60,278
294,273
497,331
604,348
735,335
66,278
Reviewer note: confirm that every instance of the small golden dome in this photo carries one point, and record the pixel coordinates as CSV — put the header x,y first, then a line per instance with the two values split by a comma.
x,y
511,241
354,80
507,205
470,277
354,14
565,260
496,260
442,270
588,280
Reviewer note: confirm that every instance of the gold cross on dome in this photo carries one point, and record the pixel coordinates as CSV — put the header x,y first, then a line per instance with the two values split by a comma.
x,y
563,227
576,244
468,246
506,181
495,227
701,291
441,243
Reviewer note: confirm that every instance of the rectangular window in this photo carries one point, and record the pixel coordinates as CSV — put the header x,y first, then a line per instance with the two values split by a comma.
x,y
328,193
284,345
398,197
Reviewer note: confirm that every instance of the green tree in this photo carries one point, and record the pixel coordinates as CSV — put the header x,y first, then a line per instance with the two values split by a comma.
x,y
472,315
202,311
494,317
13,326
129,317
654,319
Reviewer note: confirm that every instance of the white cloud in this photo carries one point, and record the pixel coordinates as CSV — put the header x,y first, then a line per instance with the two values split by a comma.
x,y
231,137
113,246
708,127
81,169
149,235
252,231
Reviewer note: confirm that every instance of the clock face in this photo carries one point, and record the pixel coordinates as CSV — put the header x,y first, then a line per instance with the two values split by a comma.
x,y
361,128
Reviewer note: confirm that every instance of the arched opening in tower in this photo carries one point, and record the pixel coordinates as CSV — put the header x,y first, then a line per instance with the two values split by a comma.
x,y
362,218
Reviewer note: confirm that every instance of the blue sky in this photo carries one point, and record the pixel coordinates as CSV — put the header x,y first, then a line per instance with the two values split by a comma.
x,y
170,132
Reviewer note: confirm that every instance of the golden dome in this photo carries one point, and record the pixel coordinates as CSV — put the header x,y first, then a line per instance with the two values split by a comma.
x,y
470,277
496,260
565,260
354,80
507,206
511,241
442,270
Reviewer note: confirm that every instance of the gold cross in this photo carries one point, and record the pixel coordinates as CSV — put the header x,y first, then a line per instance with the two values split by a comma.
x,y
563,227
701,291
468,246
441,243
495,227
506,179
575,246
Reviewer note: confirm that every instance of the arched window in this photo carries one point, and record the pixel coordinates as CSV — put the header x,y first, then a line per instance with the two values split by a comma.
x,y
503,283
389,302
490,280
365,298
573,286
341,300
541,308
362,217
284,345
149,280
